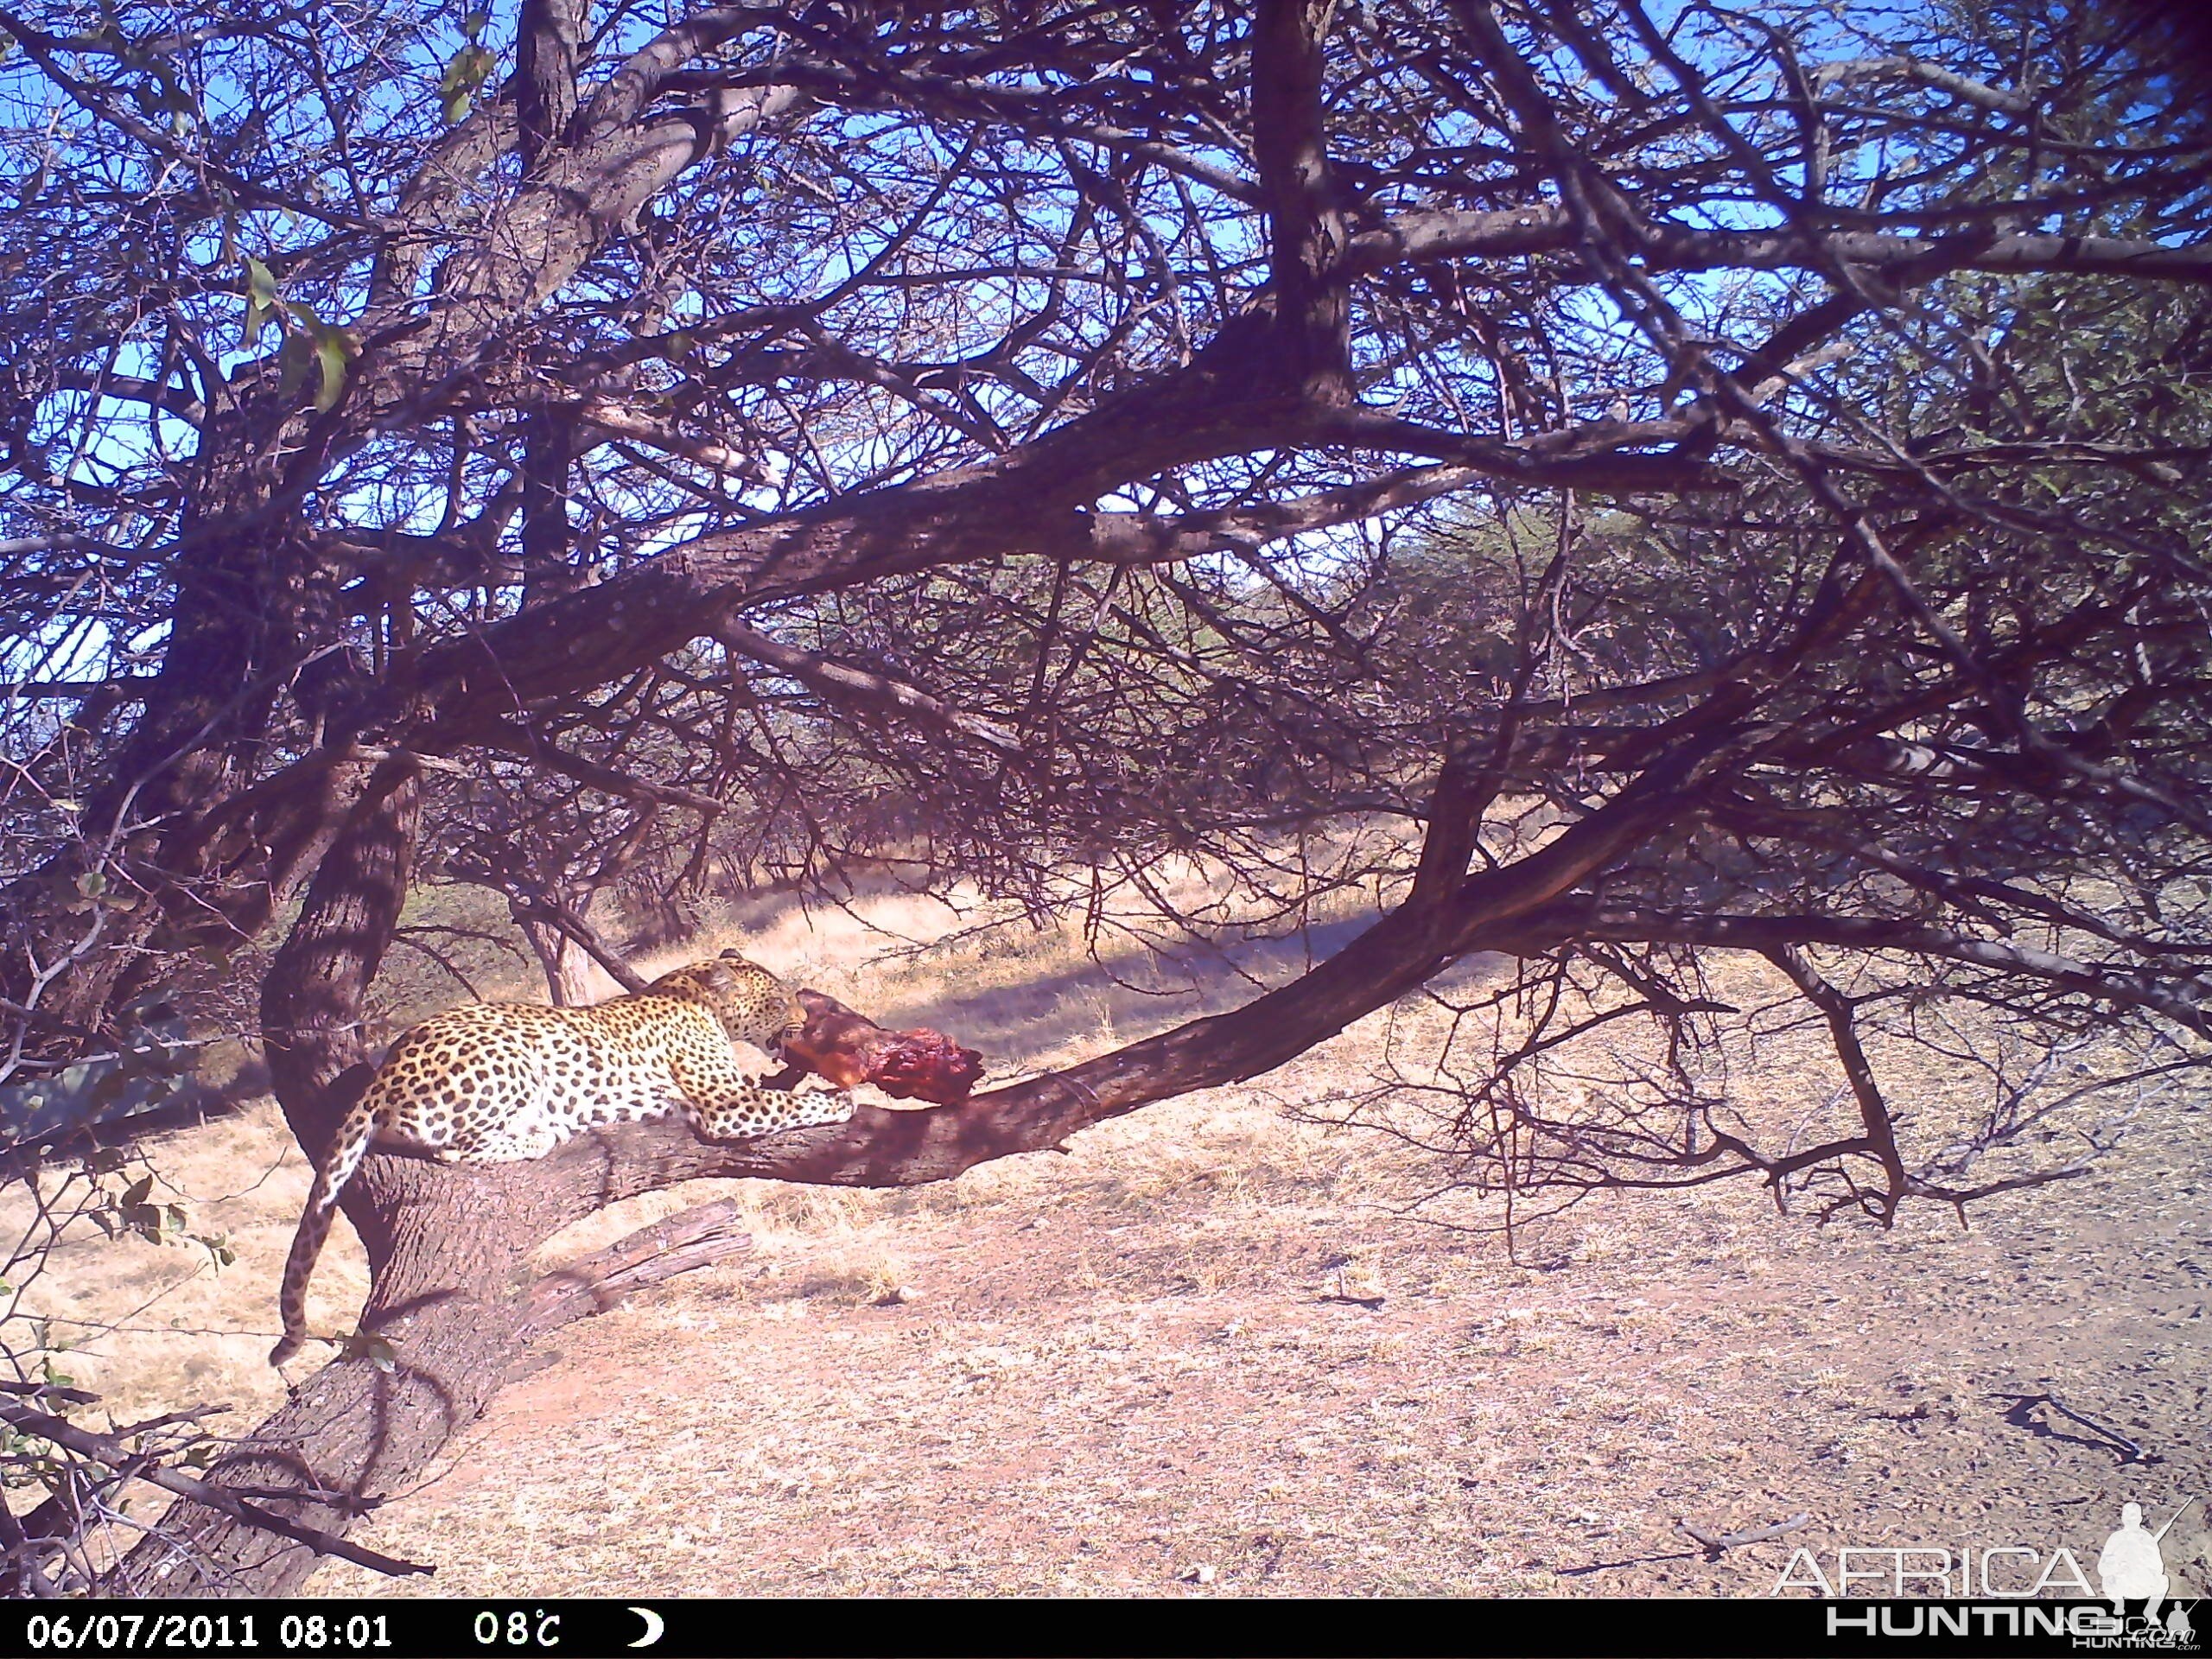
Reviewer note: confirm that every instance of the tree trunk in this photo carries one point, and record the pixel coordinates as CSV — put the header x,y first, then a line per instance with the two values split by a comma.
x,y
166,829
458,1308
566,964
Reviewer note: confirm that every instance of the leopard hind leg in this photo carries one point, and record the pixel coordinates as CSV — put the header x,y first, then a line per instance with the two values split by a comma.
x,y
515,1143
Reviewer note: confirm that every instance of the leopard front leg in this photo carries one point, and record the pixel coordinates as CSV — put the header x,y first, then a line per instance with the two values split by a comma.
x,y
725,1101
748,1109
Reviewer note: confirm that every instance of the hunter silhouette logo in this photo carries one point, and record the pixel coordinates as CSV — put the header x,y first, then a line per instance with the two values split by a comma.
x,y
2132,1568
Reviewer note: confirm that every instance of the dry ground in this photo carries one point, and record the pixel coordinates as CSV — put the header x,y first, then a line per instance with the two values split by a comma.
x,y
1130,1369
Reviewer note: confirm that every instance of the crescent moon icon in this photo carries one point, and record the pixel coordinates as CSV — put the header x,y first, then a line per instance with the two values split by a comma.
x,y
654,1627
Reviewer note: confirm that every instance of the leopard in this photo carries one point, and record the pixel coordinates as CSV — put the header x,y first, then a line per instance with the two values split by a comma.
x,y
495,1083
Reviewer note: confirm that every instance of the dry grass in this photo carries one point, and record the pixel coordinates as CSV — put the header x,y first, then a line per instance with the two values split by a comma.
x,y
1101,1372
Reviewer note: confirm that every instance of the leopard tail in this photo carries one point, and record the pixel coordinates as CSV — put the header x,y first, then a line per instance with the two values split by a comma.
x,y
337,1168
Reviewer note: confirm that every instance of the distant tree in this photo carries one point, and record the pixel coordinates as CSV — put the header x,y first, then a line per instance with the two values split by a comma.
x,y
1633,488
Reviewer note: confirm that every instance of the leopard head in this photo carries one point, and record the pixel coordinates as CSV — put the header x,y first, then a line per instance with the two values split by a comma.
x,y
753,1005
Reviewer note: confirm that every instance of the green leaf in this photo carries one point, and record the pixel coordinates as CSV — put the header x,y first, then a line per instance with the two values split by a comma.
x,y
261,300
465,72
92,883
141,1190
293,362
325,347
331,353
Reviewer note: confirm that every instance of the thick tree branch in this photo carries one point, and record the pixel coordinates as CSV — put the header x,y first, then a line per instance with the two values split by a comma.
x,y
1417,239
618,626
547,35
698,1237
1306,233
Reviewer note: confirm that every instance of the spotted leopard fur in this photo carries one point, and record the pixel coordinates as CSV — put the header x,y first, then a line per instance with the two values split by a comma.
x,y
500,1082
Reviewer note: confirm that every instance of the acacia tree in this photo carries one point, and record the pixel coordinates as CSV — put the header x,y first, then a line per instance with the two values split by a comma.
x,y
1004,434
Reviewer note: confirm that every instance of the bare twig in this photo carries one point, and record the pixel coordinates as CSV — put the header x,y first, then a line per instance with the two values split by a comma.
x,y
140,1465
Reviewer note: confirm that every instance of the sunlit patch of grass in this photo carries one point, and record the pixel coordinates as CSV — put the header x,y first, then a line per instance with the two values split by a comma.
x,y
855,1273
